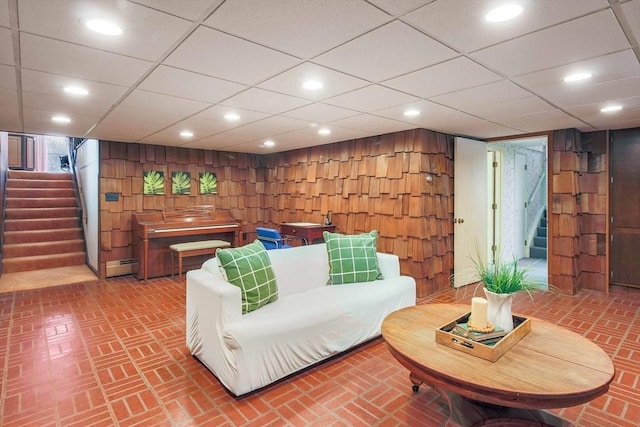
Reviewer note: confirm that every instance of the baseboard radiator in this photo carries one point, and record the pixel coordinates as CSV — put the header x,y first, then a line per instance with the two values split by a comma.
x,y
121,267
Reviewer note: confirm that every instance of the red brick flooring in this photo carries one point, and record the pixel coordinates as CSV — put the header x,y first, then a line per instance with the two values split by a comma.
x,y
112,352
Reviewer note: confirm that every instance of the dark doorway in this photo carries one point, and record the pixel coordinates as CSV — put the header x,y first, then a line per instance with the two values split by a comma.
x,y
625,207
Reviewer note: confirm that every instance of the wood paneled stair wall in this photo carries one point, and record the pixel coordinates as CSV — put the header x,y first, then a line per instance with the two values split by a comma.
x,y
42,227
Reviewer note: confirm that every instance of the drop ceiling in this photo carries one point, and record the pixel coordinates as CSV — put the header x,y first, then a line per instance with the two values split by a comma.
x,y
184,64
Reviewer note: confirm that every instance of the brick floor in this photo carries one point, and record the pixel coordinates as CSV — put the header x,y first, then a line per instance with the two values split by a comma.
x,y
112,352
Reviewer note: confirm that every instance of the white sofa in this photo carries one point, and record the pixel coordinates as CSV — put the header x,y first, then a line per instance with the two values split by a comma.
x,y
309,322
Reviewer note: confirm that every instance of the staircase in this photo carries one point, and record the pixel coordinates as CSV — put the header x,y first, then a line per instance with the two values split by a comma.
x,y
539,247
41,228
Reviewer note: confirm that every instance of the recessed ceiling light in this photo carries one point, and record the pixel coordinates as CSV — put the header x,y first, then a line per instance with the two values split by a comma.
x,y
576,77
186,134
611,108
324,131
76,90
503,13
412,113
269,143
104,27
61,119
312,85
232,117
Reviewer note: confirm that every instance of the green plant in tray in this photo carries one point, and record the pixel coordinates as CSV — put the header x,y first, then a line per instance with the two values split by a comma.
x,y
504,277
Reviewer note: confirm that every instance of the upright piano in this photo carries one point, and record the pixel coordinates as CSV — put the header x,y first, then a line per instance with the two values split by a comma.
x,y
153,233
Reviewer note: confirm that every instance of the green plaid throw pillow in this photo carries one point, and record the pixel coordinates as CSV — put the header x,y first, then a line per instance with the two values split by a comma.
x,y
249,268
353,258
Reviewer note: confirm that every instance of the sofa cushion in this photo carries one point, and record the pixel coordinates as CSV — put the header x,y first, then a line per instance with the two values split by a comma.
x,y
352,258
249,268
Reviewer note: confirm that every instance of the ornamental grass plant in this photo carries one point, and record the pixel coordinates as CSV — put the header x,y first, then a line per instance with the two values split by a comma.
x,y
504,277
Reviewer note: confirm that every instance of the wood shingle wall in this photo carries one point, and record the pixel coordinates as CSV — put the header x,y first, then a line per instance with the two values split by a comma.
x,y
593,180
371,183
121,171
579,189
376,183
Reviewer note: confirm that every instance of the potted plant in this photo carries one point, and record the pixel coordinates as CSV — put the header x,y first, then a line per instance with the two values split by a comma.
x,y
500,282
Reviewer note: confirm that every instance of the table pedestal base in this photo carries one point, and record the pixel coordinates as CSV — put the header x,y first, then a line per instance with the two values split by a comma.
x,y
470,413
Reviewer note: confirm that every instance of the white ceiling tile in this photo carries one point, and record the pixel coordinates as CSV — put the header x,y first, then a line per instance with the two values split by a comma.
x,y
432,116
549,83
386,52
591,113
257,131
300,28
456,74
9,116
6,47
371,98
399,7
507,111
186,84
290,82
475,100
543,121
583,38
375,57
64,20
373,125
69,106
4,13
204,124
461,23
264,101
37,82
64,58
598,92
230,58
39,121
320,113
631,11
191,10
146,113
8,77
479,128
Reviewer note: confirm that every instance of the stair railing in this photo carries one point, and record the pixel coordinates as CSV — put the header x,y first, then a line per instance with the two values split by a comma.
x,y
74,143
534,208
5,176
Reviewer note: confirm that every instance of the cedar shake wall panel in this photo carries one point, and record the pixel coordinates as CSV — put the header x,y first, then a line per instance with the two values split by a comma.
x,y
121,170
374,183
579,206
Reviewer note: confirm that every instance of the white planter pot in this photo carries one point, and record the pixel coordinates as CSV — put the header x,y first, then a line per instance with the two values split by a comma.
x,y
499,309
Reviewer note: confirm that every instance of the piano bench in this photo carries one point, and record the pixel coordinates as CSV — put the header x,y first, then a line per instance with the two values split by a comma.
x,y
203,247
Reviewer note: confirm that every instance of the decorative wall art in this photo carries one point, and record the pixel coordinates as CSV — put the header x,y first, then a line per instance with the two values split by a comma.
x,y
181,182
153,183
208,183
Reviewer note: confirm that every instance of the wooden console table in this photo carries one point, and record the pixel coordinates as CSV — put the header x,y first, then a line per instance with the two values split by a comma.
x,y
310,232
551,367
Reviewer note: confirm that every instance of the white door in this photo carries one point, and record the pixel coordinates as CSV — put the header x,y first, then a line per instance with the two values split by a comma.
x,y
470,208
519,208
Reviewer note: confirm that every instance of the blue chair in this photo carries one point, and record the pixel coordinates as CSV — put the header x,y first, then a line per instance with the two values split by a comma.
x,y
271,239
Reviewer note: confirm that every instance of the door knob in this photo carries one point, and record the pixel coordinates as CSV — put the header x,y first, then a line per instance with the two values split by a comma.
x,y
458,220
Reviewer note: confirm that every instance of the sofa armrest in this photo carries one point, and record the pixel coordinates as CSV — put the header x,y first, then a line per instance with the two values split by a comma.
x,y
212,304
389,265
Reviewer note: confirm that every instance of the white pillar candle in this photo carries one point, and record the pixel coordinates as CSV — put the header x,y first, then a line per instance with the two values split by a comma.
x,y
479,312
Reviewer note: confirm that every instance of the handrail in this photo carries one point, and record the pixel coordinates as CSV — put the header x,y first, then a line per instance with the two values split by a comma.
x,y
72,146
5,173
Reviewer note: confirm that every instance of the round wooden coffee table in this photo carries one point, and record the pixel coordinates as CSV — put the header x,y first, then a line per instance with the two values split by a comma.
x,y
551,367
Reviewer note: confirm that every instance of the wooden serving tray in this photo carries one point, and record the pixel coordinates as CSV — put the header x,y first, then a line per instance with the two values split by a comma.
x,y
444,336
